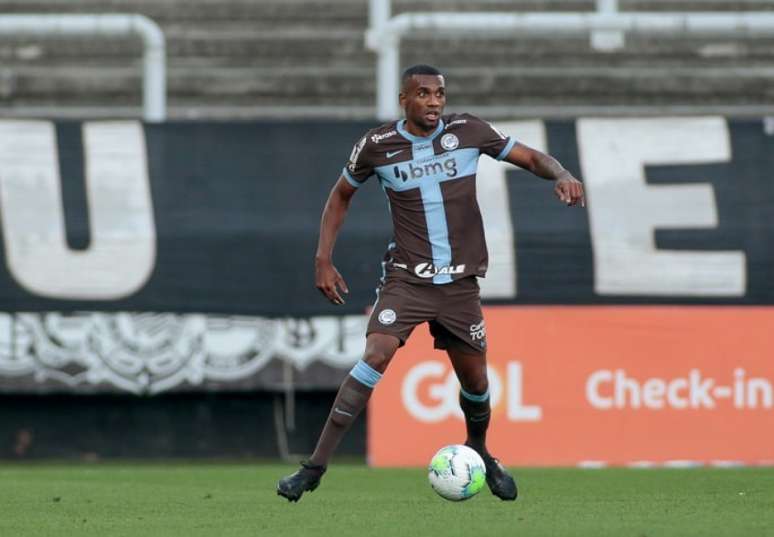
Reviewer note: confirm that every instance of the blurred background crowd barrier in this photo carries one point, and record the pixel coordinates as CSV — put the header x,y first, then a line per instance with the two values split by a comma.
x,y
157,292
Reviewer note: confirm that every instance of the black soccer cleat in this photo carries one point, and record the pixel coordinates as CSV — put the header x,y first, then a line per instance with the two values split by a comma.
x,y
498,479
306,478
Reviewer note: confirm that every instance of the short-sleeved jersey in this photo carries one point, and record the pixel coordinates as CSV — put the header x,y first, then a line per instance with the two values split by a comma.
x,y
430,183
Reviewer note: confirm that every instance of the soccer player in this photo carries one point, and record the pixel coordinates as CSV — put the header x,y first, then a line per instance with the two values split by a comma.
x,y
426,164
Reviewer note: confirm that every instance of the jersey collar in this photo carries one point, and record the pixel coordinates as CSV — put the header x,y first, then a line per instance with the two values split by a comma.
x,y
400,126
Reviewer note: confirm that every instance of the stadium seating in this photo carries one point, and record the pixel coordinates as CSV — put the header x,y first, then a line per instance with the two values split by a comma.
x,y
294,58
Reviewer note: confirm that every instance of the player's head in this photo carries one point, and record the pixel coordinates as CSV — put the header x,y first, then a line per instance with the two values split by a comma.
x,y
423,96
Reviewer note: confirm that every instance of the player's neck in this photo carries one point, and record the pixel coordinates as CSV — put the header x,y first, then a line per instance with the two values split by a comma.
x,y
416,130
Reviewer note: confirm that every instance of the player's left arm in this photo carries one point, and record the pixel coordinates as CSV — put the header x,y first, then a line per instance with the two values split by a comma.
x,y
567,188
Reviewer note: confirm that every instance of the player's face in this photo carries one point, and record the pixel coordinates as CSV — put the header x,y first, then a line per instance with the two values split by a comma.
x,y
423,99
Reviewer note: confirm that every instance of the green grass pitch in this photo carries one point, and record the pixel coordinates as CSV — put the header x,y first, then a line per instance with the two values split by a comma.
x,y
222,500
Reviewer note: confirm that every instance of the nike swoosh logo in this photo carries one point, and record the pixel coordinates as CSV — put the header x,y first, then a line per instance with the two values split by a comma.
x,y
391,154
337,411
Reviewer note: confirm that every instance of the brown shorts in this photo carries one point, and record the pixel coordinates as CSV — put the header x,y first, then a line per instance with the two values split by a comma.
x,y
452,310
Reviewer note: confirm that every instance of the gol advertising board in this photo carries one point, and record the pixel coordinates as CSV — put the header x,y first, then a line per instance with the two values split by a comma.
x,y
604,385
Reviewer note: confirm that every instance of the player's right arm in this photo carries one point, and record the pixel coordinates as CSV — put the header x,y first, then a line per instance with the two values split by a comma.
x,y
355,173
327,278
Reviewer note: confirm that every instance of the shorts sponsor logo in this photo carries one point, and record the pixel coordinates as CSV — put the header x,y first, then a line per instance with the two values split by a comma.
x,y
478,332
376,138
428,270
449,142
387,317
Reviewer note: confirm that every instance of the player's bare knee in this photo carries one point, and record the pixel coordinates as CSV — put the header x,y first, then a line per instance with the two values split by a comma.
x,y
378,357
476,386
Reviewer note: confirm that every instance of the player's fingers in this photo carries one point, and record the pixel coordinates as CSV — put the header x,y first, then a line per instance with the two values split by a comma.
x,y
559,191
342,284
567,194
329,291
333,294
336,298
577,193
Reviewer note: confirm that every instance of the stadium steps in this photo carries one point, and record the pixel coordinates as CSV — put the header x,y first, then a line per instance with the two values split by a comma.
x,y
243,58
333,13
306,86
308,45
315,48
525,6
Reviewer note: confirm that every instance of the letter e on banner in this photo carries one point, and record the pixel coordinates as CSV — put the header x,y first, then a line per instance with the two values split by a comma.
x,y
625,210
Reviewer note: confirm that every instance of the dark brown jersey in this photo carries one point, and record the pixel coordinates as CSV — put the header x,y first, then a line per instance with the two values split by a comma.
x,y
430,183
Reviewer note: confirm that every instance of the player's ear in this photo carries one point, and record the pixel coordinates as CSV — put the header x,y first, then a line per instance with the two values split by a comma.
x,y
402,99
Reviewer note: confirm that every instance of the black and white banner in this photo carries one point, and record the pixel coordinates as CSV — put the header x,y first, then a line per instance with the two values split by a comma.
x,y
149,353
195,225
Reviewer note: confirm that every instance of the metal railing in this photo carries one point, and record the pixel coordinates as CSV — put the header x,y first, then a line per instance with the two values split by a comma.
x,y
117,25
606,28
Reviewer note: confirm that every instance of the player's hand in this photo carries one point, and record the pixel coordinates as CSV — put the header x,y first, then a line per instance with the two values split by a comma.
x,y
570,191
329,281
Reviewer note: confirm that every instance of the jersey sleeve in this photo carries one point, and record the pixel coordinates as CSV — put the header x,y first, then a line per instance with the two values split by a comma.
x,y
490,140
359,166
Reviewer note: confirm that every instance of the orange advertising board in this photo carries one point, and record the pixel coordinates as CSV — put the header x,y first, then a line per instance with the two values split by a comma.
x,y
617,385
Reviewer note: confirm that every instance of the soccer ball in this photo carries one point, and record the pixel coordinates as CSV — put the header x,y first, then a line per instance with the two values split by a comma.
x,y
457,473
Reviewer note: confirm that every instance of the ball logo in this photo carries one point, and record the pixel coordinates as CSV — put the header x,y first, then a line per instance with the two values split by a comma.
x,y
387,316
450,142
430,393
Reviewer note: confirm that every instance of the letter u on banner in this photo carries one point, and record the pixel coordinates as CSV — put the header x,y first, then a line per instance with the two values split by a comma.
x,y
122,252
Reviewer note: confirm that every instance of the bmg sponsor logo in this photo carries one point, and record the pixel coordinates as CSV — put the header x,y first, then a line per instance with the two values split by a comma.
x,y
428,169
430,393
